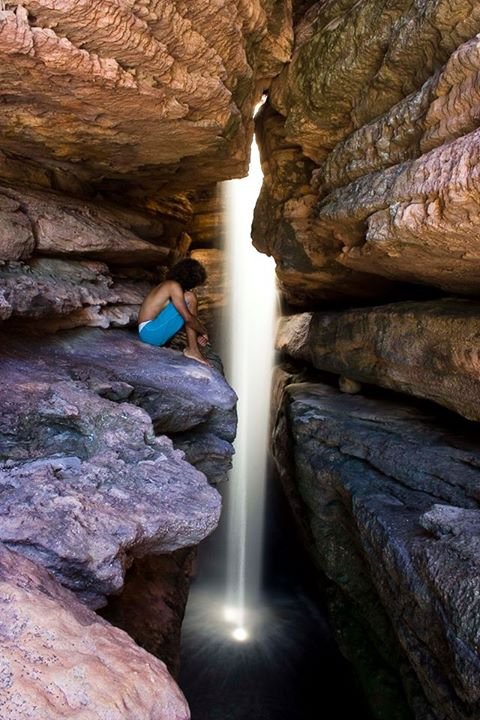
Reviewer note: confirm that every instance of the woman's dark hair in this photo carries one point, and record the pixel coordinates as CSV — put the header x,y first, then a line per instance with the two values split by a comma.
x,y
189,273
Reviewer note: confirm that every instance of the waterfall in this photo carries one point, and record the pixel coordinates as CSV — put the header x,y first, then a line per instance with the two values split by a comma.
x,y
249,339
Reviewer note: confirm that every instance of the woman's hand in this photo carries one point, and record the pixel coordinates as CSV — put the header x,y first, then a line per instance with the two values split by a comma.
x,y
203,340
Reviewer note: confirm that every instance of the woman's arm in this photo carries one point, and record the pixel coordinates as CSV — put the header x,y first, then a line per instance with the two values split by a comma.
x,y
178,300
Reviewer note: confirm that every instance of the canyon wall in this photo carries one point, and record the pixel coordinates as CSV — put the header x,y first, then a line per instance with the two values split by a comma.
x,y
370,206
117,121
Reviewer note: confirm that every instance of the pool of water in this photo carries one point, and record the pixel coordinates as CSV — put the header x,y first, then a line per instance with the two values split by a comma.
x,y
289,667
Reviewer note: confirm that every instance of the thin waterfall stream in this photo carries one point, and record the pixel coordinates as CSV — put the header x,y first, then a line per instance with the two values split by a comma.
x,y
255,642
249,342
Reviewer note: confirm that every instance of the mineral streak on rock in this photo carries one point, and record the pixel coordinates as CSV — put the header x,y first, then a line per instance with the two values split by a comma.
x,y
92,485
391,499
428,349
141,91
60,660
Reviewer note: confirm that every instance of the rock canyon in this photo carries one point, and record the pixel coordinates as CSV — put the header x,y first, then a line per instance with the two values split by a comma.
x,y
119,119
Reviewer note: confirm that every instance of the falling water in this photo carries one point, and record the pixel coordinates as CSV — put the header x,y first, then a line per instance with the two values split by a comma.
x,y
250,651
249,332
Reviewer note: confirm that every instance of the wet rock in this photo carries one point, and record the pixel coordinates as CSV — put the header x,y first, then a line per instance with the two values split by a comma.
x,y
60,660
390,498
92,485
427,349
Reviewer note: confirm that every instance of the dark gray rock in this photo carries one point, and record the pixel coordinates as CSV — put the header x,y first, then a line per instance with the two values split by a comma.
x,y
390,500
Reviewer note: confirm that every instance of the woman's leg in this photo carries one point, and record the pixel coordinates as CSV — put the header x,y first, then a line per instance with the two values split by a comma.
x,y
192,350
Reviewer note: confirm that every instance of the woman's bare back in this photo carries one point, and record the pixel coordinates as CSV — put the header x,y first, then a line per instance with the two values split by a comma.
x,y
155,301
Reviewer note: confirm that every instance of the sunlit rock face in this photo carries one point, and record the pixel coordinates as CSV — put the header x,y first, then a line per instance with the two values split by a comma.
x,y
388,499
380,105
60,660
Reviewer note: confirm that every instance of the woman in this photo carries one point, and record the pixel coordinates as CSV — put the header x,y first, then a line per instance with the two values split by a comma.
x,y
172,305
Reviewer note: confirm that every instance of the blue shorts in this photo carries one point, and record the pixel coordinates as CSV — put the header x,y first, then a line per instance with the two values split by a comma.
x,y
162,328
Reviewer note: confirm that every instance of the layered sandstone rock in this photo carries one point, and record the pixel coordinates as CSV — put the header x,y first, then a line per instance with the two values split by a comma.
x,y
60,660
143,93
152,603
425,349
285,227
391,130
63,227
390,501
65,294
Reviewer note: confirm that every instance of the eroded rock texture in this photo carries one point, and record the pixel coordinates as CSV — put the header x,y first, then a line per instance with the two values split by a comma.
x,y
60,660
144,92
369,146
430,350
379,108
389,500
152,604
117,120
91,484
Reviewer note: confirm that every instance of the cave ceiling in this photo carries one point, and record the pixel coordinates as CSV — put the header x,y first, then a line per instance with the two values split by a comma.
x,y
136,94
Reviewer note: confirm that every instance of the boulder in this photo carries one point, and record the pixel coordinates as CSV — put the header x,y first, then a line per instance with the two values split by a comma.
x,y
427,349
60,660
92,485
391,502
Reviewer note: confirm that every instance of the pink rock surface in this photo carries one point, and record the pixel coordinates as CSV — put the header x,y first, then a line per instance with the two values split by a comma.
x,y
147,90
67,227
60,660
391,126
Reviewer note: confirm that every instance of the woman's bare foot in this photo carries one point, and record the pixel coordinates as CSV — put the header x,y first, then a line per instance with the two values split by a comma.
x,y
196,356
